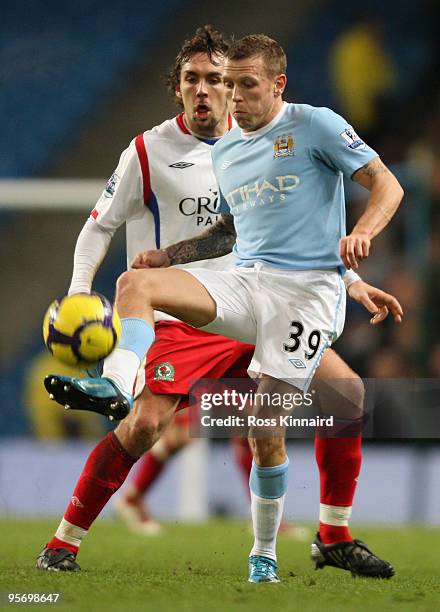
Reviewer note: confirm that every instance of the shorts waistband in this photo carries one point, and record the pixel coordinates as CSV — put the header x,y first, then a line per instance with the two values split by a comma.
x,y
261,266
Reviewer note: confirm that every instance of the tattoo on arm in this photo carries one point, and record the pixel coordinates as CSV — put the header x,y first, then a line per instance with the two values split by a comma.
x,y
218,240
374,167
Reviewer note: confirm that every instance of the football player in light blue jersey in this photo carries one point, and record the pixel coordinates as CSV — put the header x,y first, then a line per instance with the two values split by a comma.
x,y
280,174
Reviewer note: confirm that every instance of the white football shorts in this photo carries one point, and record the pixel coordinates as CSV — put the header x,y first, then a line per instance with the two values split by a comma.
x,y
291,316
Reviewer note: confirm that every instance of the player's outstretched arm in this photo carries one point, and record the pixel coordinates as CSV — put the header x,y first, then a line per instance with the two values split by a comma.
x,y
218,240
385,197
375,301
91,247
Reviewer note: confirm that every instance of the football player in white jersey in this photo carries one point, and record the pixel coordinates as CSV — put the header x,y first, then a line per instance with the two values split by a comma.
x,y
149,191
163,189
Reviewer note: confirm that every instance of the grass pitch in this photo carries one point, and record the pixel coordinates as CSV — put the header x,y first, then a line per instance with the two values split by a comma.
x,y
203,567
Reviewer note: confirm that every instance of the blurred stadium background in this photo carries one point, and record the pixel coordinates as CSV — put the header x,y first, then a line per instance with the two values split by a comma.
x,y
78,81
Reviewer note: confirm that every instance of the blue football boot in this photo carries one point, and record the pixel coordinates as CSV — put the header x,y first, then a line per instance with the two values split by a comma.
x,y
262,569
99,395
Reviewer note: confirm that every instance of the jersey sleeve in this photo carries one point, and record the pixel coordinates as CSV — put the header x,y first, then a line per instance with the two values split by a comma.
x,y
91,247
123,195
335,143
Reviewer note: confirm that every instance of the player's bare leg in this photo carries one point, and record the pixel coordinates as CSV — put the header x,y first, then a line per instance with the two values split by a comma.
x,y
171,290
138,294
268,486
106,469
143,427
338,454
131,505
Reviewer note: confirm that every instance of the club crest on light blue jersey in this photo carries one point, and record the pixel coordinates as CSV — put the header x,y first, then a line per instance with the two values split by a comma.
x,y
284,145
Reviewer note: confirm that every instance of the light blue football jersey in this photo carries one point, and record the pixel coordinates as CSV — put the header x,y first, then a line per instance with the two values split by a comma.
x,y
284,186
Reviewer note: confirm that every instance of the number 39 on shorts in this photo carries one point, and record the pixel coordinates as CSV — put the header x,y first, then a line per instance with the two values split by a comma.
x,y
297,330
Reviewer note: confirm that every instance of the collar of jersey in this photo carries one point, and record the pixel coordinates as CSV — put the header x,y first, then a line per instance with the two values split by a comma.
x,y
266,128
208,141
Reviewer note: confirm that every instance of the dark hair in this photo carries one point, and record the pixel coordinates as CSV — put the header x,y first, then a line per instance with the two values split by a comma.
x,y
260,45
205,40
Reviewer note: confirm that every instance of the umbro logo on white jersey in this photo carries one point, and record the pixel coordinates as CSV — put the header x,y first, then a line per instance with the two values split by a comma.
x,y
298,363
225,165
181,165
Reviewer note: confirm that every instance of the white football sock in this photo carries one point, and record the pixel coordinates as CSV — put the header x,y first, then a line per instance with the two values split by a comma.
x,y
67,532
334,515
121,367
266,519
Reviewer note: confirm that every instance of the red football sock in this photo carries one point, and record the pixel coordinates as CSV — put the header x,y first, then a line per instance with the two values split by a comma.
x,y
56,543
339,462
104,472
149,469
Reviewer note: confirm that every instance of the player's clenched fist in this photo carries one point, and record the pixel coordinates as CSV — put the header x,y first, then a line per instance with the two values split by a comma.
x,y
151,259
354,248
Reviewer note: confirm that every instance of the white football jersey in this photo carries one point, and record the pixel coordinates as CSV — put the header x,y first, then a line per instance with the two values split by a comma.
x,y
164,189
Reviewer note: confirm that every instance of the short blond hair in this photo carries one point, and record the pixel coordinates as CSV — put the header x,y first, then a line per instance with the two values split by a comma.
x,y
260,45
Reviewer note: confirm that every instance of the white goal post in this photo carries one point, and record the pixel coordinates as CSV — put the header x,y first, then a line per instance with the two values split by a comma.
x,y
44,194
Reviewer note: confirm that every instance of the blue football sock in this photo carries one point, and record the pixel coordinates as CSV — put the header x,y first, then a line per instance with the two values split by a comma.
x,y
269,482
137,336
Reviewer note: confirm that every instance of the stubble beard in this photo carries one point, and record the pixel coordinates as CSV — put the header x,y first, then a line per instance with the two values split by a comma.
x,y
206,128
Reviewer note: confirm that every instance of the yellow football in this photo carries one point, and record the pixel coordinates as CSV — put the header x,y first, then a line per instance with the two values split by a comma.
x,y
81,329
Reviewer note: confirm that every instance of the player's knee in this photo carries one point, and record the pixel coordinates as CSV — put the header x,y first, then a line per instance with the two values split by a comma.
x,y
140,431
146,428
135,282
126,284
268,452
356,395
344,398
